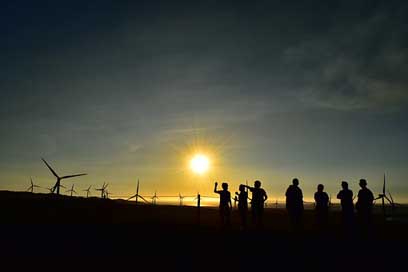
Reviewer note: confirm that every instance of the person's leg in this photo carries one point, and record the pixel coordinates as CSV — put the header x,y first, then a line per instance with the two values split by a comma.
x,y
253,211
222,216
260,219
227,216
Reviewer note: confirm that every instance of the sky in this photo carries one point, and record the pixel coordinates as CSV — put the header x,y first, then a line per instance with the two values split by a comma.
x,y
268,90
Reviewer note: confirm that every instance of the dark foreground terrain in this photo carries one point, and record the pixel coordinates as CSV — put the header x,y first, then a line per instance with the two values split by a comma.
x,y
169,237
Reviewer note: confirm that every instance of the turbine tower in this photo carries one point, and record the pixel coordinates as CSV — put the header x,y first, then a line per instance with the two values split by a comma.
x,y
88,191
58,183
154,198
136,196
71,190
181,199
32,186
102,190
383,196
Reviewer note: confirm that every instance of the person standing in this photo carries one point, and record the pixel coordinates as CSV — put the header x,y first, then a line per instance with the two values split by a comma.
x,y
321,207
347,206
294,204
242,205
225,203
257,203
364,206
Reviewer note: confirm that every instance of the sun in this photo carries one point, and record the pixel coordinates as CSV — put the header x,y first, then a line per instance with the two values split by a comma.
x,y
200,164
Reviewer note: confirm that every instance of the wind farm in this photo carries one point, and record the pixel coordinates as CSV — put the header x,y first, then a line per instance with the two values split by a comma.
x,y
190,217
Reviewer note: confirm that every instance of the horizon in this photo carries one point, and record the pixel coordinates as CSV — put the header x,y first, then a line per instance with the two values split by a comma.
x,y
266,90
207,194
206,201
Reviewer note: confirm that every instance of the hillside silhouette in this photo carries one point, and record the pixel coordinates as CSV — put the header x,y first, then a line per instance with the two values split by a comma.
x,y
76,226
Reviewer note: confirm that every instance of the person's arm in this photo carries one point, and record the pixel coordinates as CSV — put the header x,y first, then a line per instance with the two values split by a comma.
x,y
215,188
265,196
339,195
230,203
371,197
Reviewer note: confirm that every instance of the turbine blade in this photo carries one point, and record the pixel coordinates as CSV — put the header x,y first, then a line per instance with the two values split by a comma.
x,y
72,176
391,197
386,197
384,185
144,199
131,197
52,170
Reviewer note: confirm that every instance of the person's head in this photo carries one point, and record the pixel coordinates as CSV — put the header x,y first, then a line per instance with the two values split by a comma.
x,y
363,183
257,184
295,182
320,188
224,186
344,184
242,188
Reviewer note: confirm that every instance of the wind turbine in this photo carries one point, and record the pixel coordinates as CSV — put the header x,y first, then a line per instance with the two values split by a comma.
x,y
58,183
102,189
88,191
198,198
384,197
71,190
181,199
154,198
32,186
136,196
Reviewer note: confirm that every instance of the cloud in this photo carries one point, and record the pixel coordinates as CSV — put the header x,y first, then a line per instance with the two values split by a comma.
x,y
354,66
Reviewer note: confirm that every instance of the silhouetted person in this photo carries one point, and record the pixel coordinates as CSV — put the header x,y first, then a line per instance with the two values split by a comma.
x,y
322,207
347,206
294,204
257,203
243,205
364,205
225,203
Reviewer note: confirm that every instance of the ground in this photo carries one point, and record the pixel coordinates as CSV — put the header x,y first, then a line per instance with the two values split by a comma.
x,y
49,226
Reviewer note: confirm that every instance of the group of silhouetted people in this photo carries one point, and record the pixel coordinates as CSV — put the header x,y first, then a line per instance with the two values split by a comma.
x,y
294,204
257,203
